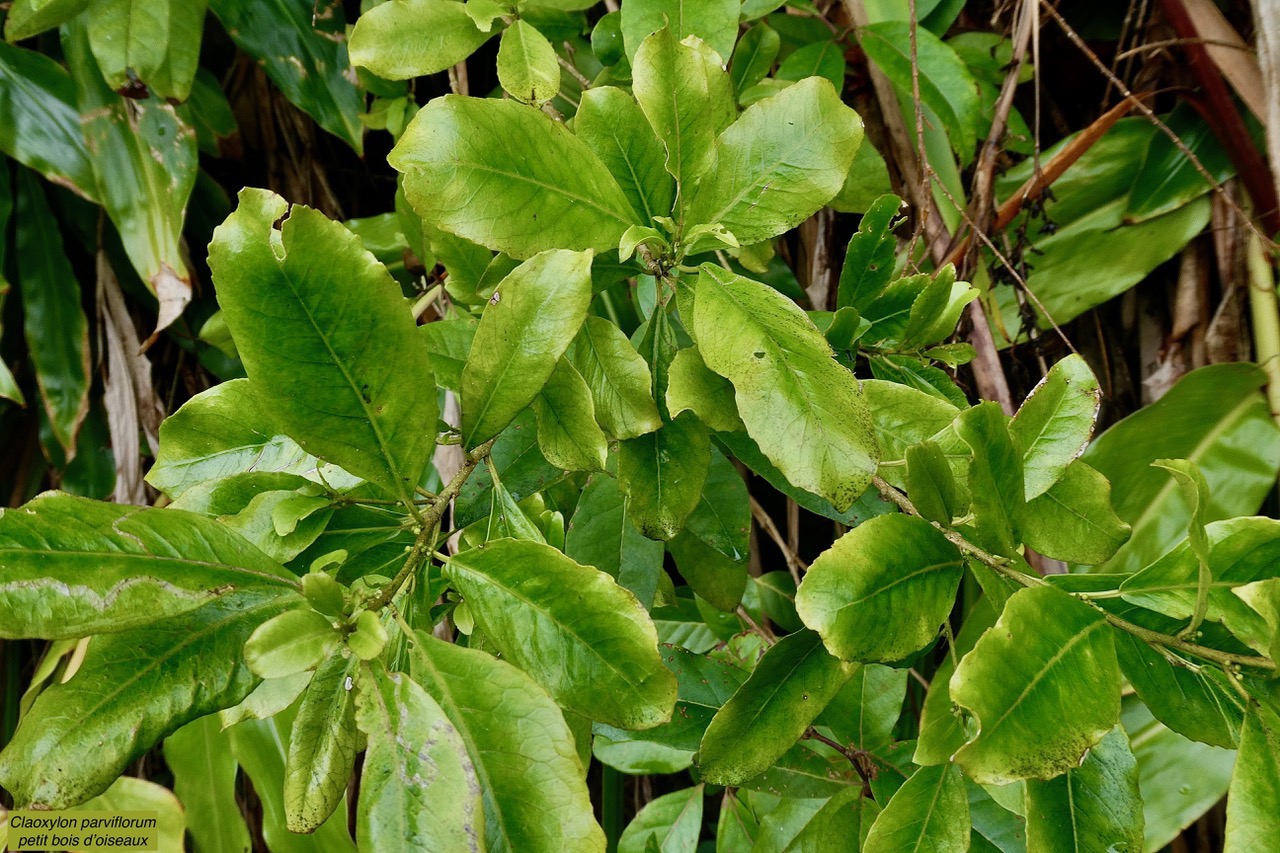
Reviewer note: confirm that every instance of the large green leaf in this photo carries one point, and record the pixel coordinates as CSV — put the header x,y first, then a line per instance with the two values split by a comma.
x,y
327,338
1253,804
131,690
418,788
579,634
1216,418
29,18
713,21
789,688
303,48
1096,806
508,177
1054,424
528,324
153,42
1074,520
71,567
39,119
535,797
685,93
204,780
882,590
693,387
1167,179
520,466
403,39
144,164
863,714
804,410
322,747
662,474
784,158
57,331
669,824
929,812
620,381
224,431
602,534
568,434
1011,682
612,125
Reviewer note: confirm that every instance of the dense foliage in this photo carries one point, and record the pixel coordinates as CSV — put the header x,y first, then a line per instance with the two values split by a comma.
x,y
469,513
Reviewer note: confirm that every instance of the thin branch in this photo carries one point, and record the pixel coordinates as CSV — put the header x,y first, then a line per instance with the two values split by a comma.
x,y
795,565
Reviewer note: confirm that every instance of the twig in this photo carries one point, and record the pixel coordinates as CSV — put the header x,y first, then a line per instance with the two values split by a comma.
x,y
795,565
765,634
573,69
860,759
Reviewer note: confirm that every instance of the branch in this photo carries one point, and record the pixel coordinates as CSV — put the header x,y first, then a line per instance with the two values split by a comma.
x,y
794,564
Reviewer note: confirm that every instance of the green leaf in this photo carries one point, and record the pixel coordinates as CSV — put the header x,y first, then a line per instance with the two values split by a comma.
x,y
693,387
57,331
527,326
304,51
1095,806
535,797
1253,804
469,169
292,642
820,59
1011,682
218,433
39,119
869,259
567,431
867,181
941,730
945,84
995,477
929,812
418,788
784,158
1167,179
403,39
519,463
804,409
935,312
128,794
863,714
669,824
619,378
790,687
204,781
842,819
882,590
71,567
904,416
687,97
1054,424
601,534
1216,418
527,67
579,634
131,690
29,18
322,747
713,21
722,518
1074,521
754,56
612,125
326,337
153,42
662,474
282,523
931,484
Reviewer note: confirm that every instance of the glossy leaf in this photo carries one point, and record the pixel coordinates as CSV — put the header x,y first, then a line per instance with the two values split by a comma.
x,y
303,50
403,39
1214,417
74,567
152,42
1096,806
619,378
132,689
290,643
791,685
322,747
930,811
685,93
995,477
568,434
529,774
1054,424
57,331
349,383
603,535
693,387
204,781
508,177
754,56
527,66
520,464
1074,520
1010,682
868,261
29,18
803,409
783,158
594,649
670,824
882,590
662,474
612,125
1253,804
528,324
418,788
713,21
863,714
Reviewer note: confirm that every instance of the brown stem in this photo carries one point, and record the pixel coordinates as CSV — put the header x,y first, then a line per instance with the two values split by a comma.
x,y
795,565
